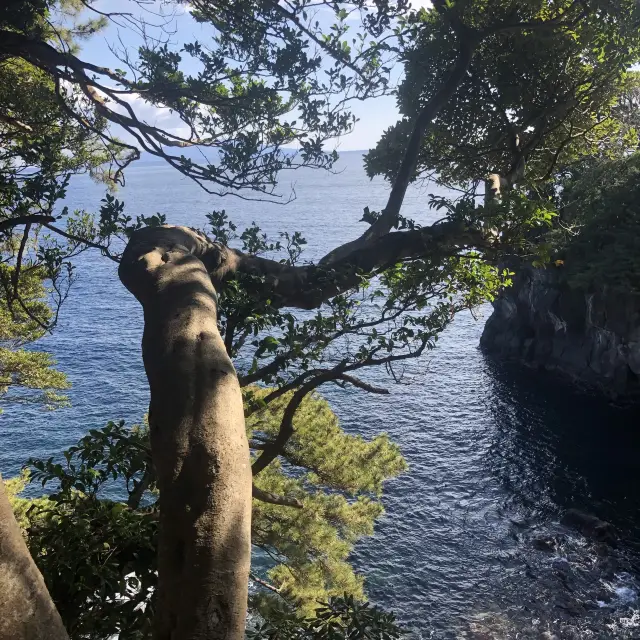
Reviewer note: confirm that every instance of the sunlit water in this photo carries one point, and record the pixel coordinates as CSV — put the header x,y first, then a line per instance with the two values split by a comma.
x,y
496,453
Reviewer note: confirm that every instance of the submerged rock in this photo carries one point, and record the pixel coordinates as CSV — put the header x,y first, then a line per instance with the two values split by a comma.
x,y
590,526
544,543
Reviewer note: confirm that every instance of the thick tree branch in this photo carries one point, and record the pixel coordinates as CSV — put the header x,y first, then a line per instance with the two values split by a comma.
x,y
307,287
9,223
361,384
16,273
274,447
138,491
89,243
271,498
468,40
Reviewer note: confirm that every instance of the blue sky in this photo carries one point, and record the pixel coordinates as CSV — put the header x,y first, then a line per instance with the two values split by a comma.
x,y
374,115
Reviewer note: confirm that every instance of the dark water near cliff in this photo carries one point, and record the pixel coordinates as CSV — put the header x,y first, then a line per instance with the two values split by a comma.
x,y
496,454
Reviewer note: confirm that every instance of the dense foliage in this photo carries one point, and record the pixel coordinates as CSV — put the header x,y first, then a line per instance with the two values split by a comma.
x,y
533,101
93,536
597,237
268,77
339,618
41,148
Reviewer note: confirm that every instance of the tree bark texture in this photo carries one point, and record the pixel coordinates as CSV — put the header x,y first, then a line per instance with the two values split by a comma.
x,y
26,609
198,439
493,185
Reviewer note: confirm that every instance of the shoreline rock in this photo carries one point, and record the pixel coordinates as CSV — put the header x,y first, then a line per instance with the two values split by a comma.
x,y
593,338
590,526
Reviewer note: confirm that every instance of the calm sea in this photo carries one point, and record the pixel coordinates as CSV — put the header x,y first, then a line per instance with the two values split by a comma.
x,y
496,453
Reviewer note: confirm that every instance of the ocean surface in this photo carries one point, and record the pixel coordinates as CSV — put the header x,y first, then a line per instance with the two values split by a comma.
x,y
496,453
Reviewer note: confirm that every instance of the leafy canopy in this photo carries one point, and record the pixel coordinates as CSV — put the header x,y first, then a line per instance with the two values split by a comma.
x,y
597,237
539,95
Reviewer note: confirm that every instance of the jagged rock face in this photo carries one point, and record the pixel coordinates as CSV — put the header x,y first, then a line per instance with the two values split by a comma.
x,y
593,337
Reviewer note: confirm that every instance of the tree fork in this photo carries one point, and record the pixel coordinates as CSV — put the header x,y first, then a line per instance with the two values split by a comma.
x,y
199,446
468,40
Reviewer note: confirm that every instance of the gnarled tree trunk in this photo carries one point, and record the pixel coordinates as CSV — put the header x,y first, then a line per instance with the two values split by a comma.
x,y
26,609
198,440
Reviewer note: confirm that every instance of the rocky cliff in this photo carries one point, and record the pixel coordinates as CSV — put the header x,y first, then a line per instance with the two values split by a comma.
x,y
592,337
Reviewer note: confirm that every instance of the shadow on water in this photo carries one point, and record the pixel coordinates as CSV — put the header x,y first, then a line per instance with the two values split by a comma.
x,y
552,448
556,447
472,545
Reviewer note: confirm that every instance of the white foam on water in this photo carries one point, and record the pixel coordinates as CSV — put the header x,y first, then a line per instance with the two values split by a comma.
x,y
624,588
626,624
626,595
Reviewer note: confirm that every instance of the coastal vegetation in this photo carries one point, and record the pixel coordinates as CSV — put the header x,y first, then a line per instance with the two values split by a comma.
x,y
599,226
149,530
94,536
